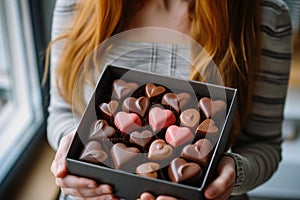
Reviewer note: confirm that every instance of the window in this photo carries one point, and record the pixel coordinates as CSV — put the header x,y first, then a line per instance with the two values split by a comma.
x,y
21,110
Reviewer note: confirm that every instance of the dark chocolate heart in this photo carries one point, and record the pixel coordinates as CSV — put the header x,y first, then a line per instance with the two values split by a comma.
x,y
208,127
190,118
108,109
181,171
121,88
199,152
101,129
93,153
153,91
141,138
160,150
176,101
139,106
127,122
161,118
124,157
212,108
148,169
177,136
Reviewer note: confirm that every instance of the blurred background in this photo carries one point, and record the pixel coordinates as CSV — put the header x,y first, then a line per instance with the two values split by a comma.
x,y
25,156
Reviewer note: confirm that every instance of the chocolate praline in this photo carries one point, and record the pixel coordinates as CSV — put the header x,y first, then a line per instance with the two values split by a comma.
x,y
176,101
93,153
121,88
101,129
190,118
139,106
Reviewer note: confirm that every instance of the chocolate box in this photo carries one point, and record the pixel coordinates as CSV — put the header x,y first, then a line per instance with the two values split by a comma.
x,y
129,185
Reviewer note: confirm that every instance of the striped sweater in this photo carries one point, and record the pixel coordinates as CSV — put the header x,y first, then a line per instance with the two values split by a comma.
x,y
258,152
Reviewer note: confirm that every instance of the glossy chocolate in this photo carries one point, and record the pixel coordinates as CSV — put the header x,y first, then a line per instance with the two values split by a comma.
x,y
127,122
148,169
123,156
181,171
208,127
108,109
152,91
176,101
160,150
93,153
139,106
121,88
177,136
101,129
212,108
190,118
141,138
200,152
161,118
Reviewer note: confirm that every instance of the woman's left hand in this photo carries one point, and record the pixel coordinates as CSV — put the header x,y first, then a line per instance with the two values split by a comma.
x,y
221,188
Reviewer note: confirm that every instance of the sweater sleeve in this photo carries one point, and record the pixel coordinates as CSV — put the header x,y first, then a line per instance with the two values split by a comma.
x,y
258,151
61,120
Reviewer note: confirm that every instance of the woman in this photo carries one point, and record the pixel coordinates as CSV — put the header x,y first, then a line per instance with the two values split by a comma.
x,y
250,42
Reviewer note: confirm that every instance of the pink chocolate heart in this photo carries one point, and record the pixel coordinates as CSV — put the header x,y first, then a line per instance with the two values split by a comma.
x,y
177,136
127,122
161,118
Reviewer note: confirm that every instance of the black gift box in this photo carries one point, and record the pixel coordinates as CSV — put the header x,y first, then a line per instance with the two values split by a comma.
x,y
128,185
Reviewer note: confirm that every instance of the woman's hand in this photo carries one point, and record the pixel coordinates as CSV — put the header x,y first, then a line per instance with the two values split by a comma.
x,y
81,188
221,188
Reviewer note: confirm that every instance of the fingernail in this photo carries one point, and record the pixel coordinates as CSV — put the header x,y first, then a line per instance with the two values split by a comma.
x,y
210,192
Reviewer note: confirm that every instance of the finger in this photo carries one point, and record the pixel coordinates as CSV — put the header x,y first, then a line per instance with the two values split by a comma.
x,y
225,182
165,198
87,194
59,167
147,196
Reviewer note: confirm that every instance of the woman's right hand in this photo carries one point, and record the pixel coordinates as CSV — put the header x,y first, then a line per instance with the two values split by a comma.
x,y
80,188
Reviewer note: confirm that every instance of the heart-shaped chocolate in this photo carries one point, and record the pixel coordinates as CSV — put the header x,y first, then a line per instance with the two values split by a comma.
x,y
199,152
153,91
108,109
127,122
160,150
93,153
101,129
121,88
212,108
176,101
141,138
161,118
124,157
148,169
139,106
177,136
208,127
181,171
190,118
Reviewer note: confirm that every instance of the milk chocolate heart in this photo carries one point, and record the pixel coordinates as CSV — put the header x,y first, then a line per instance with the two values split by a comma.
x,y
153,91
127,122
160,150
93,153
190,118
176,101
177,136
181,171
141,138
139,106
208,127
121,88
199,152
212,108
161,118
124,157
101,129
108,109
148,169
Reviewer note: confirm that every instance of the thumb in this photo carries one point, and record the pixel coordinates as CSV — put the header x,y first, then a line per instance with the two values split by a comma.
x,y
59,165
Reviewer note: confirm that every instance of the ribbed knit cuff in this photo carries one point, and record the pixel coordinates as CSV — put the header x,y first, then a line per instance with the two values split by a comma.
x,y
239,168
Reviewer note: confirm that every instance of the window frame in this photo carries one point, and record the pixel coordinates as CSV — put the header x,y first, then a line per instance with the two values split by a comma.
x,y
26,107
